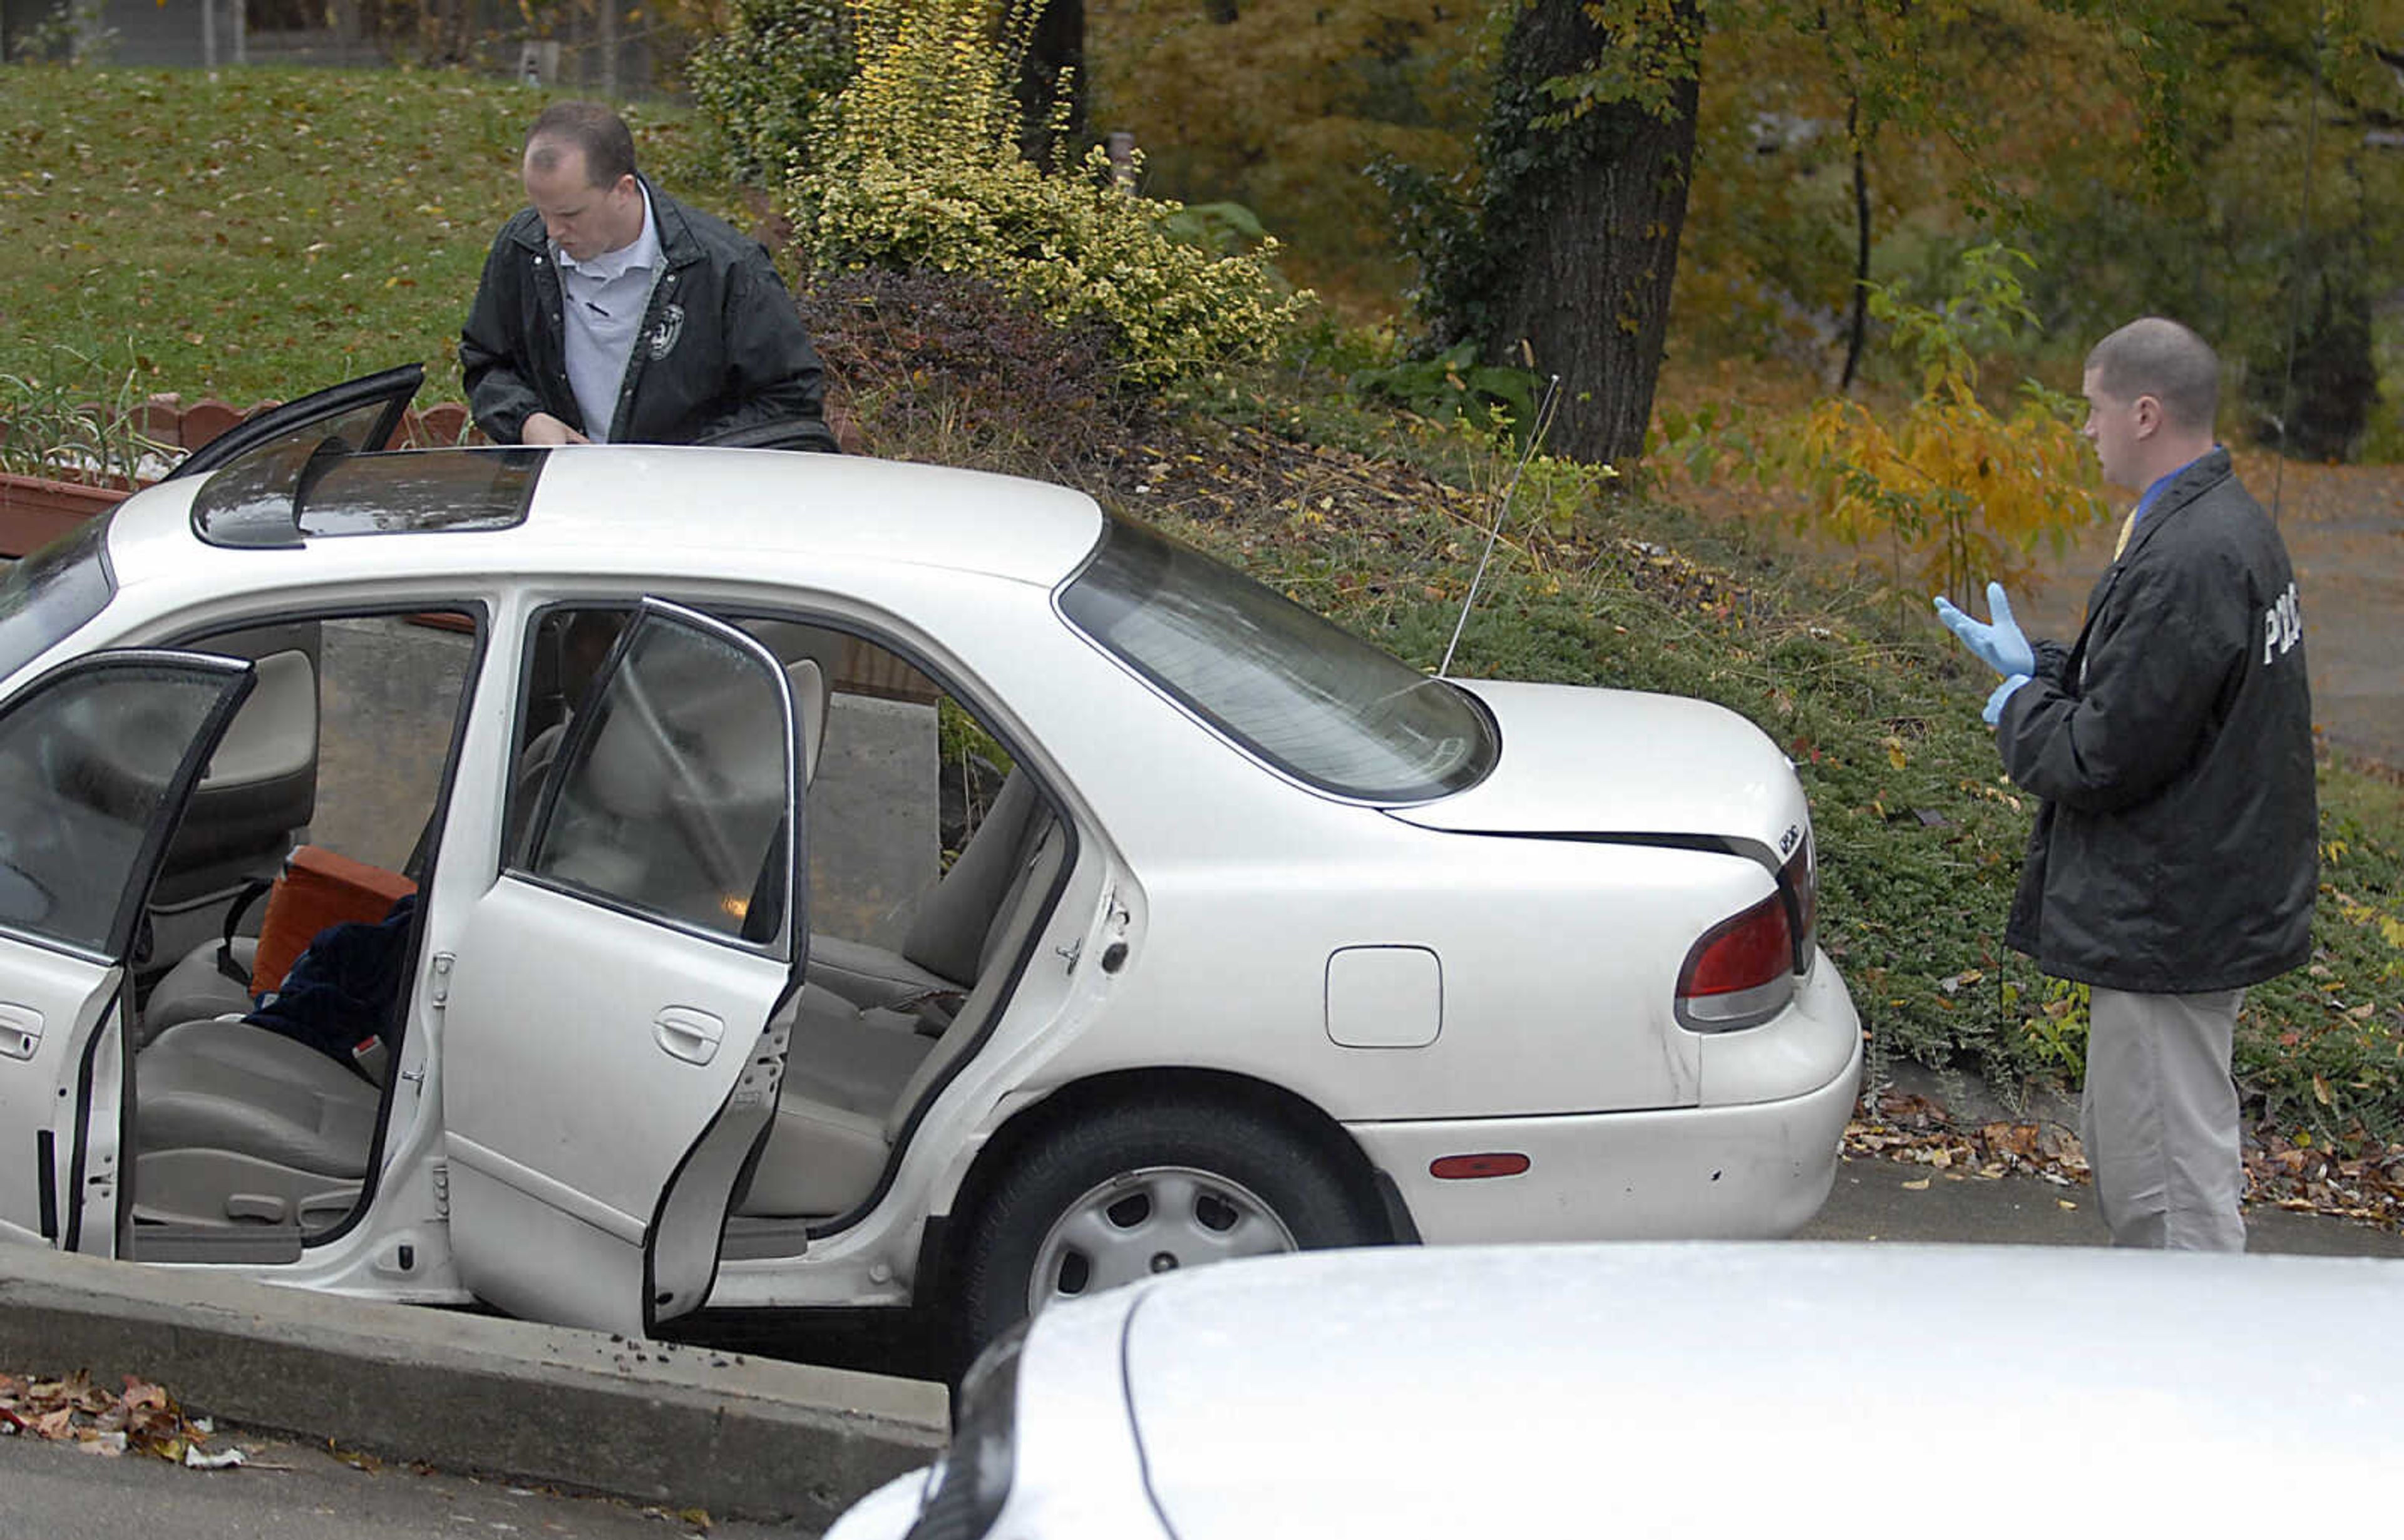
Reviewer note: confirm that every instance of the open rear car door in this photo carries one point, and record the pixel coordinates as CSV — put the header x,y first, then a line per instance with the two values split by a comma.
x,y
617,1010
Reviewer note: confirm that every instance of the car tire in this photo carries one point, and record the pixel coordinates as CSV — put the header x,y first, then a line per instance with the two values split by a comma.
x,y
1141,1188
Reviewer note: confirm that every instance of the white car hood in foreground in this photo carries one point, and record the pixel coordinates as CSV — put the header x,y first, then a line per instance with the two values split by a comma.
x,y
1579,760
1702,1391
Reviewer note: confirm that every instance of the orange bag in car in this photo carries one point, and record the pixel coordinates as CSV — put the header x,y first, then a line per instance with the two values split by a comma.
x,y
317,889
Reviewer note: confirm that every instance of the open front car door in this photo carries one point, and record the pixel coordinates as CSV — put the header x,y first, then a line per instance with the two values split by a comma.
x,y
97,759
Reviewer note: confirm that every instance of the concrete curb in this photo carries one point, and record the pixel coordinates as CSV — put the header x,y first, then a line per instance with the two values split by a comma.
x,y
656,1422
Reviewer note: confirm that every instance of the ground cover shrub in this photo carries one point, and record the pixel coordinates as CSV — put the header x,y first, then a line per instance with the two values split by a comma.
x,y
2323,1047
946,368
915,164
1453,384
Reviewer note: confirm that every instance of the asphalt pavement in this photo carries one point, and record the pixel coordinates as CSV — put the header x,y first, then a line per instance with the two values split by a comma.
x,y
289,1489
1886,1200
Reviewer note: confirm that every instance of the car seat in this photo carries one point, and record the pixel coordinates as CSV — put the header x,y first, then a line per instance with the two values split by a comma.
x,y
953,929
236,1123
854,1075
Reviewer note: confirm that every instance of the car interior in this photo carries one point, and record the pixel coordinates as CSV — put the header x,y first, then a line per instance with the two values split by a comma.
x,y
249,1142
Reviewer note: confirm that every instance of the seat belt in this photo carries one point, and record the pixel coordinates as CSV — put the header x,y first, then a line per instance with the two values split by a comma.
x,y
240,907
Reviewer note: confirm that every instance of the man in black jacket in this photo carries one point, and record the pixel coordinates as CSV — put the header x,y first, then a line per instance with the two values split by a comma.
x,y
2173,861
609,313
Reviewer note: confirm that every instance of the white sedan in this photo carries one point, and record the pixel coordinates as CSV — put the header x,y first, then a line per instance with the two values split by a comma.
x,y
801,880
1682,1390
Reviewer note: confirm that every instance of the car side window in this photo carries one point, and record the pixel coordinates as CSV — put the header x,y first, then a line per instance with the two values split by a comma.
x,y
564,655
671,786
87,764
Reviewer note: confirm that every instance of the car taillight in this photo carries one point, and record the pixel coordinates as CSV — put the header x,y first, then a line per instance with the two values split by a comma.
x,y
1741,972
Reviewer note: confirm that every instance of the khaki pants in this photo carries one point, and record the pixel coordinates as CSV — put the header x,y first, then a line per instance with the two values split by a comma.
x,y
2160,1119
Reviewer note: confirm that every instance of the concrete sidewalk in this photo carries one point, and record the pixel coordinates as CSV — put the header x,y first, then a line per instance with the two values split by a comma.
x,y
678,1426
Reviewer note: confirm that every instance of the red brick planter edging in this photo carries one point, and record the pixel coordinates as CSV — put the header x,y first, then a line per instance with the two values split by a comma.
x,y
34,511
166,420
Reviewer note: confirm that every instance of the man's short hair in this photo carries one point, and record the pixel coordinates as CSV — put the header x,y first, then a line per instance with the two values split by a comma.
x,y
588,126
2158,357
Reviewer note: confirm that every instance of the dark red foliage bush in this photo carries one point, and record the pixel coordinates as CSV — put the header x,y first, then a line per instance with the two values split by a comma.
x,y
942,366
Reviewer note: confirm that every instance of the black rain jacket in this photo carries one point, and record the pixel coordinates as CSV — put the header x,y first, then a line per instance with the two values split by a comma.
x,y
2176,849
720,346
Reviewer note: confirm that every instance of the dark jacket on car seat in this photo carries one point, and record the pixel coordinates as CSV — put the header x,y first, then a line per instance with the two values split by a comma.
x,y
2176,849
341,991
720,347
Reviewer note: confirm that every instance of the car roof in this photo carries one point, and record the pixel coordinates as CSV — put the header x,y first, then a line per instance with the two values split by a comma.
x,y
730,509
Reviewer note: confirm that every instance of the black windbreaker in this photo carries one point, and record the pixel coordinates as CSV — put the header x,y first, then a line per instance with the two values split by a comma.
x,y
2176,849
720,346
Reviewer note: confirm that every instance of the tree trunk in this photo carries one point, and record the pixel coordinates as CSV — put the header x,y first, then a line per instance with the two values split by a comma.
x,y
1858,324
605,44
1580,225
1056,48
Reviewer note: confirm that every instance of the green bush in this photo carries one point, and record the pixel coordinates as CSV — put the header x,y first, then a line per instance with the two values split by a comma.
x,y
1453,384
758,84
915,164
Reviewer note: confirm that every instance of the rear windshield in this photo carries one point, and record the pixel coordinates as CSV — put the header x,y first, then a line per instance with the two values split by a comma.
x,y
1313,700
53,592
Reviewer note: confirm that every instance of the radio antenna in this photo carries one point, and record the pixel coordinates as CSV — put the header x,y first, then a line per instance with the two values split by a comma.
x,y
1502,509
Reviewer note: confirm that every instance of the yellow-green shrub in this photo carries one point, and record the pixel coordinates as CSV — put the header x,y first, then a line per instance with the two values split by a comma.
x,y
1964,491
916,165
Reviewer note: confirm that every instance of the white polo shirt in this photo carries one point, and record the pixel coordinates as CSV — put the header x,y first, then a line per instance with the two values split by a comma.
x,y
606,297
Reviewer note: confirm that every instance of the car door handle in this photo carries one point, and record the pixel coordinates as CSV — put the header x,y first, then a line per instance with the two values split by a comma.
x,y
690,1035
20,1031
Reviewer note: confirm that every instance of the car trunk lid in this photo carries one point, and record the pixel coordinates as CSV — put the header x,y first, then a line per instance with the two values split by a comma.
x,y
1620,765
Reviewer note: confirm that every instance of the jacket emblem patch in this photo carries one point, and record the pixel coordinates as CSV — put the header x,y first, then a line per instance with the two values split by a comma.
x,y
664,336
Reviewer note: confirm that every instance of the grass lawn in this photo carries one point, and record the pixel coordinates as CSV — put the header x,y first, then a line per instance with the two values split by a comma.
x,y
254,234
265,233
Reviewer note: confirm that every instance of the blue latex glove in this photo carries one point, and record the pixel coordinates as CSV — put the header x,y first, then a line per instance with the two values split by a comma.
x,y
2000,647
1993,714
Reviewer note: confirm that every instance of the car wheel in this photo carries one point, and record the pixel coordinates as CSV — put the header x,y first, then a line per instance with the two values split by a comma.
x,y
1142,1189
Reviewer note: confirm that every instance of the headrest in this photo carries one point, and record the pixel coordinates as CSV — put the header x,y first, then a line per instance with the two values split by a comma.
x,y
809,683
627,773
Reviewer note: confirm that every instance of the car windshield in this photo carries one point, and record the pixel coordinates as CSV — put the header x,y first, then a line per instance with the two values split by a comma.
x,y
53,592
1313,700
